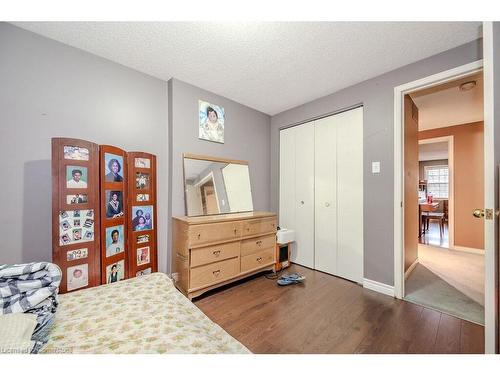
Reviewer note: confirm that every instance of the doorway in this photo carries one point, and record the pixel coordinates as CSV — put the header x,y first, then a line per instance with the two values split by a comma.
x,y
444,268
487,211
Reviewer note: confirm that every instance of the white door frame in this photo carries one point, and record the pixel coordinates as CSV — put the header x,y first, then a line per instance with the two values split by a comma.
x,y
451,182
489,177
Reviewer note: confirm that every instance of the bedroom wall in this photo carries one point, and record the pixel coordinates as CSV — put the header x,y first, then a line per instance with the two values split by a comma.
x,y
49,89
377,97
246,137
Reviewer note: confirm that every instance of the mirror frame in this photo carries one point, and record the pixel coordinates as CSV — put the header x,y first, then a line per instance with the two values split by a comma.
x,y
209,158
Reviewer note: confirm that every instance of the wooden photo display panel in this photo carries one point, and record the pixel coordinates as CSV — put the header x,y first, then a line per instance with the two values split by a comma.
x,y
142,249
113,189
75,212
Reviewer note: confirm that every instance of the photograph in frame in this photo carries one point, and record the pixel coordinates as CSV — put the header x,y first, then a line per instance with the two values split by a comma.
x,y
142,218
76,177
114,204
76,153
211,122
143,255
115,272
113,167
115,242
77,277
142,163
76,198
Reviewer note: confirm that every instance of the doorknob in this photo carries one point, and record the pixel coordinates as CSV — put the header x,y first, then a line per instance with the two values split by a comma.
x,y
478,212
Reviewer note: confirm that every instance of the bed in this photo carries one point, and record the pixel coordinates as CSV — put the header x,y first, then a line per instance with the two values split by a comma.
x,y
145,314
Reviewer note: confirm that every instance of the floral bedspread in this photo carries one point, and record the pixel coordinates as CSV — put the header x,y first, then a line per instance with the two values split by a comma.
x,y
146,314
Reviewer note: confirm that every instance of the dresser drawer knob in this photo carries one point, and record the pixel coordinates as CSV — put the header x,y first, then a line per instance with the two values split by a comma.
x,y
216,273
259,242
216,253
199,235
259,259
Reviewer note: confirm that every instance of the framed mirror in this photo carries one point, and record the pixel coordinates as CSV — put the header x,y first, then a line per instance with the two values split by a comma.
x,y
215,186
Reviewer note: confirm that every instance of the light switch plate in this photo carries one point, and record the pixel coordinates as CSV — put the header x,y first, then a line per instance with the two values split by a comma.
x,y
375,167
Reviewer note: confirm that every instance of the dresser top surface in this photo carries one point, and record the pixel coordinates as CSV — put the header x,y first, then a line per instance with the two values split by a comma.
x,y
224,217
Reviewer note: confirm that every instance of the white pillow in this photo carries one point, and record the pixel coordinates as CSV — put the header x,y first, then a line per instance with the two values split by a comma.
x,y
15,333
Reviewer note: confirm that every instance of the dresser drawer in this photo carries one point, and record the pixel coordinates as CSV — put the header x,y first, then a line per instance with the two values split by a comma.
x,y
210,254
259,226
207,233
253,245
258,260
214,273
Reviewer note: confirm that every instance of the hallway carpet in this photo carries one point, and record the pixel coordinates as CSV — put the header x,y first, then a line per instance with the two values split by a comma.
x,y
425,288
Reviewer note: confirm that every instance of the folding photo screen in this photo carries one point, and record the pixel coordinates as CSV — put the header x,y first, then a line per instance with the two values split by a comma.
x,y
103,213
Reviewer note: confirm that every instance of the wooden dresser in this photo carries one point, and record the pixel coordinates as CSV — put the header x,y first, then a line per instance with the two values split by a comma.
x,y
210,251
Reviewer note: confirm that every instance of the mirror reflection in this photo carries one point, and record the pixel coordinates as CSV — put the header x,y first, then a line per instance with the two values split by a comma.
x,y
215,187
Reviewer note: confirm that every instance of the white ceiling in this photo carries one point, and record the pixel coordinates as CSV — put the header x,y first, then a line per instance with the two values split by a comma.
x,y
269,66
433,151
447,105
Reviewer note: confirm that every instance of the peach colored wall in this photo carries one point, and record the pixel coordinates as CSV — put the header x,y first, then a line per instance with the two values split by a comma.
x,y
469,179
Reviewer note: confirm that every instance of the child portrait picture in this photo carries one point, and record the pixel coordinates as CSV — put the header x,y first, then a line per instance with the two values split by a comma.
x,y
76,177
142,255
211,122
78,277
113,167
142,218
141,180
114,240
115,272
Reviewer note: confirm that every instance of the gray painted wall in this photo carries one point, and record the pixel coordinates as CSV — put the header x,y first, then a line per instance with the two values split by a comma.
x,y
246,137
49,89
377,97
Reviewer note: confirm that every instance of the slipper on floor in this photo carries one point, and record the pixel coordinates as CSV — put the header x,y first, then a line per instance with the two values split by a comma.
x,y
294,276
285,281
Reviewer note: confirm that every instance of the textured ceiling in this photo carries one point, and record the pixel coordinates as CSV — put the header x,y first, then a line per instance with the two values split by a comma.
x,y
269,66
447,105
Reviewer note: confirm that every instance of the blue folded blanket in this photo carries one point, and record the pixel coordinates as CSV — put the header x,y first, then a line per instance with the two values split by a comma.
x,y
31,288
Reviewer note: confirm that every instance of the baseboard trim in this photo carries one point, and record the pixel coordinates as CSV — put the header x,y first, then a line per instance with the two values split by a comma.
x,y
468,250
378,287
411,268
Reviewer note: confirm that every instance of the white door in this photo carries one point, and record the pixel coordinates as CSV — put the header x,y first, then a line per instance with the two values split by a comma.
x,y
304,195
325,195
350,194
297,190
287,179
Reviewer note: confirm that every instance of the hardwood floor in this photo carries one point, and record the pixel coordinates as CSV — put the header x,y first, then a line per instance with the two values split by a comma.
x,y
327,314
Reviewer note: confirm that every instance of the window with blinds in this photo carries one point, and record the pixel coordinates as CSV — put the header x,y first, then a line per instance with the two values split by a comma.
x,y
437,177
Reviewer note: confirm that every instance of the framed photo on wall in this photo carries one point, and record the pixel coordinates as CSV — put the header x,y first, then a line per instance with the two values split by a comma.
x,y
211,122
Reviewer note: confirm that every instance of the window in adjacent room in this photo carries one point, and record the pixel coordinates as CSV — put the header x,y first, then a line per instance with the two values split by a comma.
x,y
437,177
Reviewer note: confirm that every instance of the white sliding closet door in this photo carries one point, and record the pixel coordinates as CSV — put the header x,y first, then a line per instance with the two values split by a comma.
x,y
321,193
287,179
296,206
325,191
304,195
350,195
